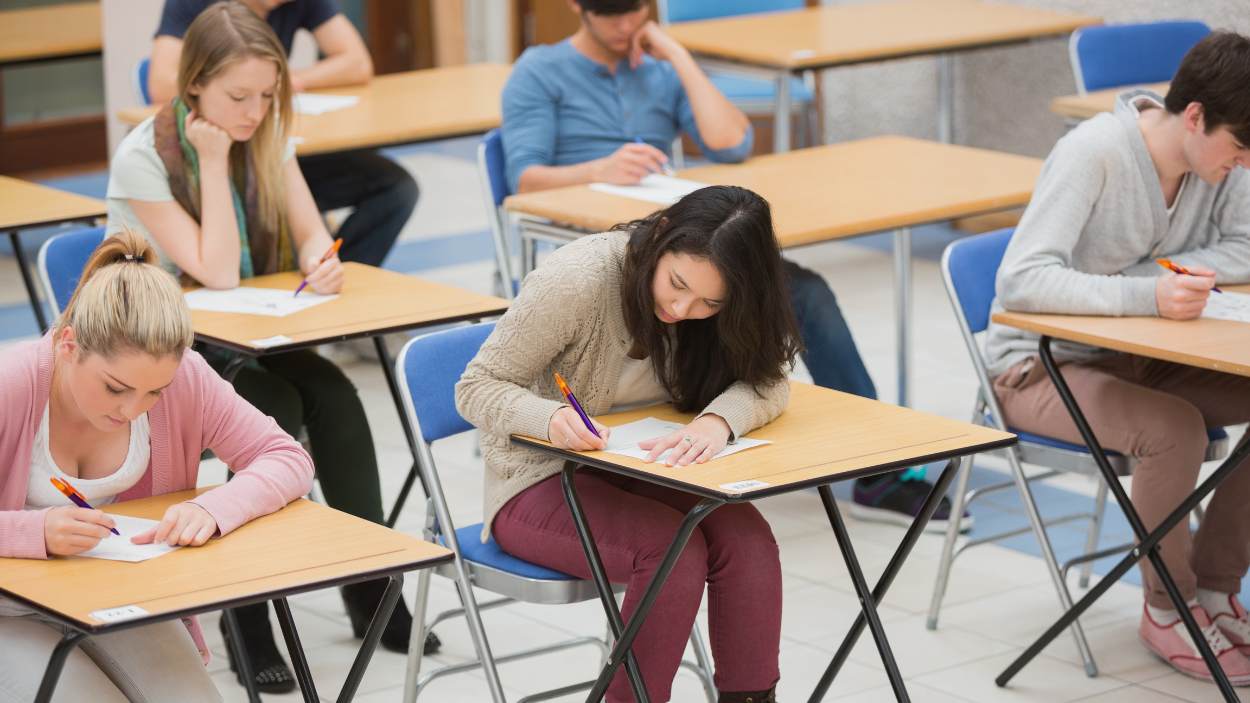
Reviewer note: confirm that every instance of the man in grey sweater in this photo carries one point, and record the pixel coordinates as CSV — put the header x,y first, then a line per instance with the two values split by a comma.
x,y
1157,178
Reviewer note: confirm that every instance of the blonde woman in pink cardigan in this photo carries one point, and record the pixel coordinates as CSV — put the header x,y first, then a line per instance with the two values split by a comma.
x,y
113,401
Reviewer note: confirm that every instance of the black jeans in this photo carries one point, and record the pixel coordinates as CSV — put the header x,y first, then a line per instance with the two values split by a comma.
x,y
381,192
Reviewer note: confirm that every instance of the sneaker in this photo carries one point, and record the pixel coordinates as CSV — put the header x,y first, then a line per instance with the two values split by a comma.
x,y
891,500
1236,627
1172,644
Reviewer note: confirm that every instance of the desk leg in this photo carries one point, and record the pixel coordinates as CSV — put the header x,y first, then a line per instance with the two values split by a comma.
x,y
24,268
946,98
887,576
1147,542
372,635
902,312
781,114
56,662
241,661
388,370
295,650
621,652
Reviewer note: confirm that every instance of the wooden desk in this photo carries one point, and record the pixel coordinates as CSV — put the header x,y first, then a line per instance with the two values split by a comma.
x,y
51,32
24,205
821,194
398,108
269,558
374,302
1218,345
823,436
777,45
1083,107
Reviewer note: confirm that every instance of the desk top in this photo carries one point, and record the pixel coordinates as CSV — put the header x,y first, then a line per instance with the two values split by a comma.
x,y
49,32
25,204
303,547
1083,107
833,35
822,436
1218,345
831,192
374,301
398,108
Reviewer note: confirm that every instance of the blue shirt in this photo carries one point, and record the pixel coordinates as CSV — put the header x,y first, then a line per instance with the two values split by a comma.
x,y
284,19
560,108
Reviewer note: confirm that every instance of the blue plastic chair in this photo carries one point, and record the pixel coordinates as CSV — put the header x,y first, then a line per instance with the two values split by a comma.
x,y
428,368
749,94
139,79
492,174
1113,55
61,261
969,269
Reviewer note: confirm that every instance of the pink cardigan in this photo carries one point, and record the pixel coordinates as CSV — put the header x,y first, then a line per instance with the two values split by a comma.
x,y
198,411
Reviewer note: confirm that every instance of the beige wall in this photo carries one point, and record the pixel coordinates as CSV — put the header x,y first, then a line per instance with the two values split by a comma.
x,y
1001,95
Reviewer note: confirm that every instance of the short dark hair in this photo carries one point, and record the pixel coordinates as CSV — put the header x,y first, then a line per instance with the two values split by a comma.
x,y
1216,73
610,7
754,337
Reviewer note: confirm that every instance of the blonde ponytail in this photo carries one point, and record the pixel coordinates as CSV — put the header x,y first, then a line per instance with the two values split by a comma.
x,y
126,302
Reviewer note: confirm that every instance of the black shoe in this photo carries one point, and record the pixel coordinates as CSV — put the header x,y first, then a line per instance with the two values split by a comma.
x,y
362,601
890,499
268,668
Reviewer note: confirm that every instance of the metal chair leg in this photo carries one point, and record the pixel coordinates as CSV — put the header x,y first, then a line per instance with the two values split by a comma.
x,y
948,545
1095,531
416,639
704,662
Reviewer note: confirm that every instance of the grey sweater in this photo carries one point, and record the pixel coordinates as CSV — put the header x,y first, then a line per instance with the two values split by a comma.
x,y
567,318
1097,220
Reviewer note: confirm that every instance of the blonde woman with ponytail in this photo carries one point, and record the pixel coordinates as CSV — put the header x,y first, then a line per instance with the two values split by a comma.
x,y
211,182
114,402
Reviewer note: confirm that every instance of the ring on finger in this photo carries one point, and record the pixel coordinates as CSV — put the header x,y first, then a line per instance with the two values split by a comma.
x,y
688,439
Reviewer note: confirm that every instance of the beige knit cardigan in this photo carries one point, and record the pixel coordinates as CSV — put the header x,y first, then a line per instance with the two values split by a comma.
x,y
567,318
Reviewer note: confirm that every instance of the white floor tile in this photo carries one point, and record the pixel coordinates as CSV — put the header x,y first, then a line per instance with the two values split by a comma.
x,y
1045,679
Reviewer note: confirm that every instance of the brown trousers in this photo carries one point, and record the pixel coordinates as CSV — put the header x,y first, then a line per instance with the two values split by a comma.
x,y
1157,412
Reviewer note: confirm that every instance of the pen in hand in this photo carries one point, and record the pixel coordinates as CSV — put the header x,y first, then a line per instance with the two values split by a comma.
x,y
664,167
568,395
1178,269
72,493
334,249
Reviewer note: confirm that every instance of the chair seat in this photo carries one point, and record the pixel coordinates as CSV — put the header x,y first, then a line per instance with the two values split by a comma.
x,y
1030,438
489,554
742,89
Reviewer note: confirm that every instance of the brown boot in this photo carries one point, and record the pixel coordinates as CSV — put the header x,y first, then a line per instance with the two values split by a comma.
x,y
769,696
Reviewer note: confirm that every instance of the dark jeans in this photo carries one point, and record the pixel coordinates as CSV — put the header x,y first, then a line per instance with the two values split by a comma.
x,y
381,192
829,350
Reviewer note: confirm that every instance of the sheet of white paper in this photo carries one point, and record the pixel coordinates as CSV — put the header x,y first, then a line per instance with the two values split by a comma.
x,y
255,301
1228,306
121,549
653,188
625,438
316,103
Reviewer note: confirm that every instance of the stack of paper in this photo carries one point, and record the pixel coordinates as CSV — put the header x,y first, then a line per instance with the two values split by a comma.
x,y
624,439
653,188
254,301
318,103
1228,306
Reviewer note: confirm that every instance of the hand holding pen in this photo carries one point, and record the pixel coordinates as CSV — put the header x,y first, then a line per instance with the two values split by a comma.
x,y
325,279
571,428
73,529
1183,296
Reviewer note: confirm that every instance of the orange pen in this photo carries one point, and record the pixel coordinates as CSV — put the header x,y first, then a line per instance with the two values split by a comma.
x,y
1177,268
334,249
73,494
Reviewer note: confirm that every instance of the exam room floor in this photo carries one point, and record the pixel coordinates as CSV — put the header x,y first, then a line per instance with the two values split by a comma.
x,y
998,600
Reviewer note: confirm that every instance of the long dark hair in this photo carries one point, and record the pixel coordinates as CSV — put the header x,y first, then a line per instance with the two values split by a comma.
x,y
753,338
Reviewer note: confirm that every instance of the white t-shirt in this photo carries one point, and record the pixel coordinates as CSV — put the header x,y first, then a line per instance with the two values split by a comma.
x,y
638,386
137,173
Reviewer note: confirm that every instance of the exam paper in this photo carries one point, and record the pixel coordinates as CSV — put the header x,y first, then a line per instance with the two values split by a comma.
x,y
120,548
255,301
625,438
653,188
1228,306
316,104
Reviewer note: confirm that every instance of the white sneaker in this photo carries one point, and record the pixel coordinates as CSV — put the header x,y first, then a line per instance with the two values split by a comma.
x,y
1235,626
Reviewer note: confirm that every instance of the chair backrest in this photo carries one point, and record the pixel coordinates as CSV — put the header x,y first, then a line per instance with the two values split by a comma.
x,y
1114,55
428,368
689,10
969,267
492,172
61,261
140,79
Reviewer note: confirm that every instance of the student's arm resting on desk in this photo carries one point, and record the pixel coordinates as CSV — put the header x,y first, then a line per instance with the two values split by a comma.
x,y
346,60
270,468
1036,274
21,531
308,231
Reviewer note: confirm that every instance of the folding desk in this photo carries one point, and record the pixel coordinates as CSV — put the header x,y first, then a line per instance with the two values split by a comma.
x,y
24,205
303,547
59,31
818,195
823,436
374,302
1217,345
780,44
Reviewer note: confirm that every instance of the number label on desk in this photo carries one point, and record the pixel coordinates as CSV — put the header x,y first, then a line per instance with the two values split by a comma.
x,y
126,612
743,486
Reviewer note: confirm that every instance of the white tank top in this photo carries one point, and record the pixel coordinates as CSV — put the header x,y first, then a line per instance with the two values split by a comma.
x,y
98,491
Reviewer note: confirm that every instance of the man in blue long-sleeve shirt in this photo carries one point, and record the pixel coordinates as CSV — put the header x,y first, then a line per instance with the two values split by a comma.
x,y
604,106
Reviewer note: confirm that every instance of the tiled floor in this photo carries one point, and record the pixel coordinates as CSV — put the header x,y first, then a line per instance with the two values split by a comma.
x,y
998,600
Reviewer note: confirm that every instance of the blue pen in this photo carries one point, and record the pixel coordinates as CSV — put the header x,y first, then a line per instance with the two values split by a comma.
x,y
668,170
